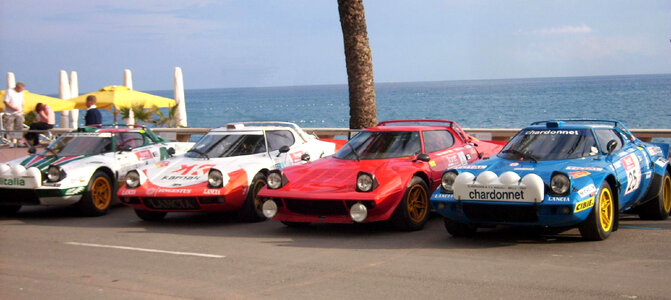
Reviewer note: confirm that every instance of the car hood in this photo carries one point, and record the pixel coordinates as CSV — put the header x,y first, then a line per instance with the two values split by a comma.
x,y
43,162
573,167
183,171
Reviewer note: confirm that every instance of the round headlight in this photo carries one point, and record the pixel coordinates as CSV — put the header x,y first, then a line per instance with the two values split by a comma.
x,y
54,173
215,178
358,212
447,181
364,182
269,209
560,184
132,179
274,180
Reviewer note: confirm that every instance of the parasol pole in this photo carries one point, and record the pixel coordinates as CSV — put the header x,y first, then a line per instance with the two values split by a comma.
x,y
180,101
64,93
74,92
128,82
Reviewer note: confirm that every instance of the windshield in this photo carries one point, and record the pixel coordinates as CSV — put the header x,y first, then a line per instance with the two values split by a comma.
x,y
72,145
220,145
550,144
381,144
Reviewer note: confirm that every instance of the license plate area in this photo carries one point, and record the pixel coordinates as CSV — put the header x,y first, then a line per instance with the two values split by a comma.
x,y
168,203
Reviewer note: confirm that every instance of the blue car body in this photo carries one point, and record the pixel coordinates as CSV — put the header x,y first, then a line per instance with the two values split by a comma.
x,y
636,172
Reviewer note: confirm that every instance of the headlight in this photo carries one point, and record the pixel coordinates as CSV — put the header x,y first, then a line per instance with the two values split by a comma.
x,y
358,212
447,181
274,180
365,182
560,184
132,179
269,209
215,179
55,174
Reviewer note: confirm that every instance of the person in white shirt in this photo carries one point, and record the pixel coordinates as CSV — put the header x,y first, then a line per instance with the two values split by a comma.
x,y
13,118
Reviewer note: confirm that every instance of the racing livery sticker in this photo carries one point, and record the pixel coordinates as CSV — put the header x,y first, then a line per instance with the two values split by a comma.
x,y
588,190
144,155
579,174
583,169
633,169
583,205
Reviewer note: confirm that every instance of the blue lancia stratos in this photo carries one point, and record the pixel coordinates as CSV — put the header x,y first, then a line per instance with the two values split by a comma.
x,y
561,174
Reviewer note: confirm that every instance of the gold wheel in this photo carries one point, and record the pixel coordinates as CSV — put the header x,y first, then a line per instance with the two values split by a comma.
x,y
101,193
666,193
255,191
418,203
606,209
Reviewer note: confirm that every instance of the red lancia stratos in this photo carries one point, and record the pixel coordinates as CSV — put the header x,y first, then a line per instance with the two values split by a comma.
x,y
384,172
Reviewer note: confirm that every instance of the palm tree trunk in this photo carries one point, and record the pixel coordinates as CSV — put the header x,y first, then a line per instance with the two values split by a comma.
x,y
359,62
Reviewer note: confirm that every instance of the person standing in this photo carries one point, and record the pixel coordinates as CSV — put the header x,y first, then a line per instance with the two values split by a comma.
x,y
13,117
93,116
45,121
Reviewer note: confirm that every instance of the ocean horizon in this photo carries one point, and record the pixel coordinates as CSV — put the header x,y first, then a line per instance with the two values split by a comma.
x,y
639,101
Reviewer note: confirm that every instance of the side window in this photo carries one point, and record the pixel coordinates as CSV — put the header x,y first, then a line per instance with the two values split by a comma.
x,y
132,139
437,140
605,135
279,138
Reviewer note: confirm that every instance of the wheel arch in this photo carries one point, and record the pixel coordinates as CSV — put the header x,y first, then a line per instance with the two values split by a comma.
x,y
610,179
424,177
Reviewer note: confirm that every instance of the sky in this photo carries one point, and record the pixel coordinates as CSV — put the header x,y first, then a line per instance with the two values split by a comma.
x,y
258,43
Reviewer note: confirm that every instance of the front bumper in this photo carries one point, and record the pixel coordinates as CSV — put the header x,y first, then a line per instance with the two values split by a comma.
x,y
42,196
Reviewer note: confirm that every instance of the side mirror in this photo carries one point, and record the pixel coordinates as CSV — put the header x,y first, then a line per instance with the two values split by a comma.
x,y
423,157
171,151
305,157
32,150
125,148
284,149
610,147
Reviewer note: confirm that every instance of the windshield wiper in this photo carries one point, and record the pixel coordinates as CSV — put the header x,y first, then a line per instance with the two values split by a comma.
x,y
521,154
358,158
201,153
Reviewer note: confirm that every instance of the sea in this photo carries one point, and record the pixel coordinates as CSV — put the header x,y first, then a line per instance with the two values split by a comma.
x,y
639,101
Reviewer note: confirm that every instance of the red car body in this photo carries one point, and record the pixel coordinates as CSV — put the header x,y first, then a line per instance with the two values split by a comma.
x,y
324,191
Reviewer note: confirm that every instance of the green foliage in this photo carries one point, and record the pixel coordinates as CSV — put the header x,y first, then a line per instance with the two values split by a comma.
x,y
153,115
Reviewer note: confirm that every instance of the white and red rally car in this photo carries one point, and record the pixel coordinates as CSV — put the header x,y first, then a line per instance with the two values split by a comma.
x,y
223,172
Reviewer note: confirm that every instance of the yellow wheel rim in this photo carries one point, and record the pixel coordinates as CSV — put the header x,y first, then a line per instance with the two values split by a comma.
x,y
606,209
666,193
418,203
255,190
101,193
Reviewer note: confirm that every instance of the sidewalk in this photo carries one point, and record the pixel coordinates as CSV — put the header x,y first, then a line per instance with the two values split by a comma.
x,y
7,154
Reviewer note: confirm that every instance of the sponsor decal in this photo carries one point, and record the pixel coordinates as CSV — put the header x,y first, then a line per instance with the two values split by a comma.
x,y
193,171
211,192
587,191
452,160
462,158
654,150
579,174
162,164
74,191
648,174
12,181
583,205
443,196
144,155
128,192
562,132
175,191
661,162
514,164
432,163
633,169
523,169
179,177
559,199
496,195
595,169
473,167
296,156
99,134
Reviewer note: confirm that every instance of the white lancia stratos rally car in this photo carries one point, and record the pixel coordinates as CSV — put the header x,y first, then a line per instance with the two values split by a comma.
x,y
223,172
81,167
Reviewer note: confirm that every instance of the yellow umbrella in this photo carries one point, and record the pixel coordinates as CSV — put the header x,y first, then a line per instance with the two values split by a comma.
x,y
117,96
31,99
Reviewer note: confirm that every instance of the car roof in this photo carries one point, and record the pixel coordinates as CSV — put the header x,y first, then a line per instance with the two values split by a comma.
x,y
406,128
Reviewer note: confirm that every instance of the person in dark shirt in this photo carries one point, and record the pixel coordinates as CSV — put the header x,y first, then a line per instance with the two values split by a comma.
x,y
93,116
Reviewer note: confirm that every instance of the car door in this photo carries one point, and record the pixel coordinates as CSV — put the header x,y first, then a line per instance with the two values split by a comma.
x,y
628,162
134,151
441,145
280,138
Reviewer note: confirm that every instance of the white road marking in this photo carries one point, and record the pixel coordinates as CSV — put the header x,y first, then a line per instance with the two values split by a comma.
x,y
146,250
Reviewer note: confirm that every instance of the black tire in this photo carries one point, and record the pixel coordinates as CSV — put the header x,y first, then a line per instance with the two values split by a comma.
x,y
9,210
458,229
659,207
151,216
601,221
296,224
251,210
413,211
98,196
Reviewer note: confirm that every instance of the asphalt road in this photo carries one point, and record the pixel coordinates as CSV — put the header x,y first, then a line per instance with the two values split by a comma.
x,y
52,253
